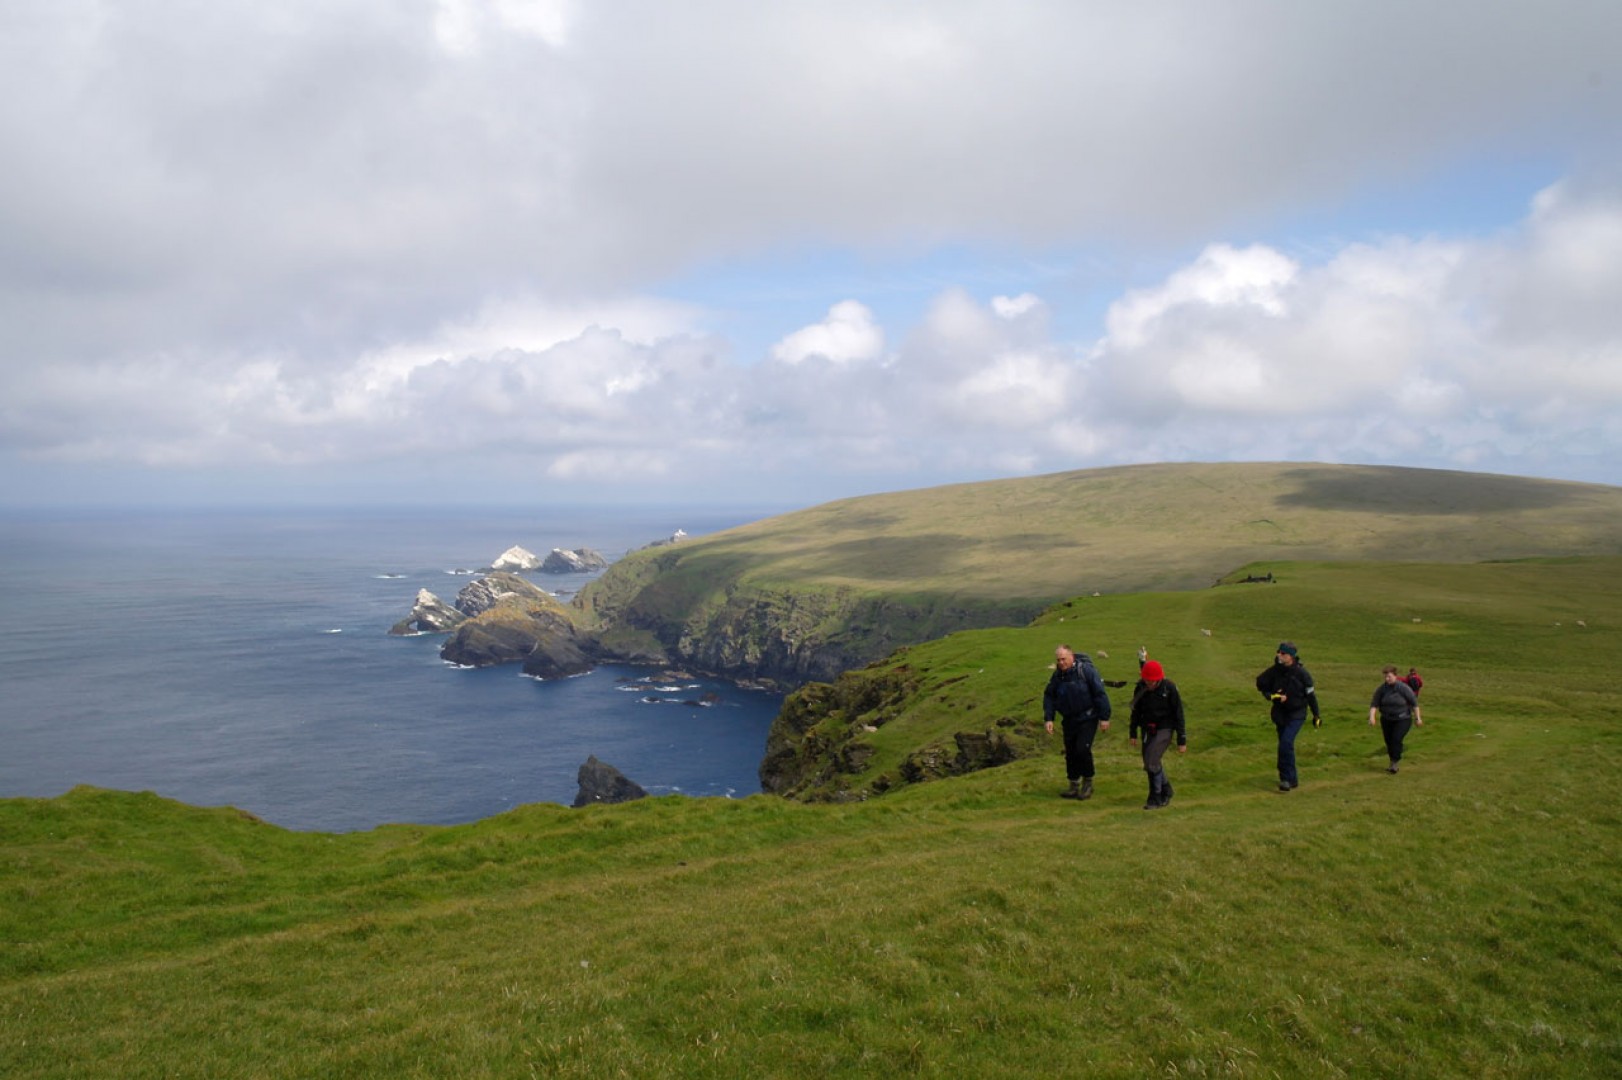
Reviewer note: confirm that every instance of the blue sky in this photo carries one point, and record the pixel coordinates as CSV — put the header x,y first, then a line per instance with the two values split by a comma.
x,y
517,251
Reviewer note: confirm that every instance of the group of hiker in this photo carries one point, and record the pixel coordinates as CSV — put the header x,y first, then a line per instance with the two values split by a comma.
x,y
1075,693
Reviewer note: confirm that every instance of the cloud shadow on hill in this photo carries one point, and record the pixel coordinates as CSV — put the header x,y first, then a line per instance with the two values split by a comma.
x,y
1419,491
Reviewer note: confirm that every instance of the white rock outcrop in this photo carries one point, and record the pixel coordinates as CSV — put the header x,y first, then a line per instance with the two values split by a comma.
x,y
579,561
516,558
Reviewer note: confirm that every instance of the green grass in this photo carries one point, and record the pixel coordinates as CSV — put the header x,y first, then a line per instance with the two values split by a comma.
x,y
1458,919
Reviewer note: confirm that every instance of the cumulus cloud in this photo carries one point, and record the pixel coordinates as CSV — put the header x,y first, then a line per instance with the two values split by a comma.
x,y
349,231
847,335
1410,349
1443,348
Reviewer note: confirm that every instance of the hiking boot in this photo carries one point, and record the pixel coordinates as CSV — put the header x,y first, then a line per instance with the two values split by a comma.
x,y
1071,792
1392,767
1086,789
1285,785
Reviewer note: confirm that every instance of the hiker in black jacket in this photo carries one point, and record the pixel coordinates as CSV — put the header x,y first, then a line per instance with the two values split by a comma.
x,y
1076,693
1157,711
1288,686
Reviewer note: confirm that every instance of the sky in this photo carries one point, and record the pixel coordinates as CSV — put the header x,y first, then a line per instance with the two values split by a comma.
x,y
404,252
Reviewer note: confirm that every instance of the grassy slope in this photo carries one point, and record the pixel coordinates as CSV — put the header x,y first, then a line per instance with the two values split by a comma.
x,y
1152,527
1214,641
844,583
1455,920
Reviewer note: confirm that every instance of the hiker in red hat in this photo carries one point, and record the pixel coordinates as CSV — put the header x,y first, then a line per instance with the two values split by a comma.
x,y
1157,711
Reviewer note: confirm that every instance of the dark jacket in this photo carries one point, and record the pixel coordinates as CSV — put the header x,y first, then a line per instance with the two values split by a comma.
x,y
1396,701
1157,710
1295,683
1076,694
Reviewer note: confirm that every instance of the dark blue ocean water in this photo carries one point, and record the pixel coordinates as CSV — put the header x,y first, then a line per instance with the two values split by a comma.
x,y
242,659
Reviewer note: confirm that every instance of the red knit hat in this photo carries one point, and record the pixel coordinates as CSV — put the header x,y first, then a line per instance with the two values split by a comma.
x,y
1152,671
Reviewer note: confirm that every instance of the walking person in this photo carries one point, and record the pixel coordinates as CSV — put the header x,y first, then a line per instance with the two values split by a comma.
x,y
1288,685
1077,695
1157,711
1395,707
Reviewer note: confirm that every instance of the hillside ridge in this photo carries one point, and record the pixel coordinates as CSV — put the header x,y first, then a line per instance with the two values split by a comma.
x,y
807,595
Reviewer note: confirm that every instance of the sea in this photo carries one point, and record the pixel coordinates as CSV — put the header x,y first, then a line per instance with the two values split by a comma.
x,y
242,658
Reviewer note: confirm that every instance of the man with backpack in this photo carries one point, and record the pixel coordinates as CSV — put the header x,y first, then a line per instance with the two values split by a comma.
x,y
1076,693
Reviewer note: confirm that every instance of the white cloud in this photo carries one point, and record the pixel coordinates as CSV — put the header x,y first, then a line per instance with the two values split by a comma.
x,y
847,335
1424,350
1015,307
1430,347
354,231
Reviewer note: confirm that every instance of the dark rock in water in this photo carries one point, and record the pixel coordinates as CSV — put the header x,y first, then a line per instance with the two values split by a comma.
x,y
558,656
513,621
430,615
579,561
602,783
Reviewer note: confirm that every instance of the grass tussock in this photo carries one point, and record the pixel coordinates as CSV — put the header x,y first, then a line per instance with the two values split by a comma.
x,y
1457,919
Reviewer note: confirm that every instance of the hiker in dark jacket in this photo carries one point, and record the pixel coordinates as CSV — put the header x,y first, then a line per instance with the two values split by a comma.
x,y
1157,711
1395,707
1288,685
1077,695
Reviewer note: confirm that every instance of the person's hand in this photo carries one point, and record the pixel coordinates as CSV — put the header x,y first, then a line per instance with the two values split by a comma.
x,y
1418,722
1372,720
1050,727
1133,743
1103,725
1182,748
1318,721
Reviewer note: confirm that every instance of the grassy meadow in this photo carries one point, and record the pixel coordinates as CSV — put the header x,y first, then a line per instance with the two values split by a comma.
x,y
1458,919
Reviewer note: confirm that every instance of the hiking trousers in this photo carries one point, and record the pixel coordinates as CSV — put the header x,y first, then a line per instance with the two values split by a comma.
x,y
1288,729
1079,733
1154,750
1395,731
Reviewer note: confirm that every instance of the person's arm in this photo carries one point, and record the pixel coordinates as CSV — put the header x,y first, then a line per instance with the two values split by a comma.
x,y
1050,702
1374,705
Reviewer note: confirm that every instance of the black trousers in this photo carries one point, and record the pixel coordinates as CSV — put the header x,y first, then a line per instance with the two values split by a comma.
x,y
1079,733
1395,731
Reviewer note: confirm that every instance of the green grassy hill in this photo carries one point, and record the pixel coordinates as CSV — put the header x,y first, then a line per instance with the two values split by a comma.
x,y
1458,919
807,595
